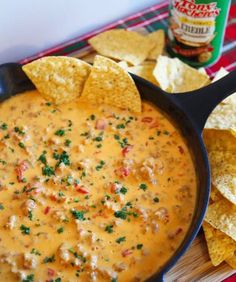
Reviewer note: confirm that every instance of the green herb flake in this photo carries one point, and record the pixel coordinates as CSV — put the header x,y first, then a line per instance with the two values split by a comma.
x,y
78,214
49,259
156,200
1,207
120,126
24,229
139,246
21,145
3,162
58,279
143,186
67,142
48,171
30,215
35,252
60,230
109,229
29,278
120,240
98,139
60,132
63,158
61,194
19,131
4,126
42,158
92,117
48,104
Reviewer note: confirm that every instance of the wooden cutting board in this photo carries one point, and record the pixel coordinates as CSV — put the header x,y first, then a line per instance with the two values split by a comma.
x,y
195,266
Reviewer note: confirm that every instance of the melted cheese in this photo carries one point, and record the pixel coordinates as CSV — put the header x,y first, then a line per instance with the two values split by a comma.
x,y
90,192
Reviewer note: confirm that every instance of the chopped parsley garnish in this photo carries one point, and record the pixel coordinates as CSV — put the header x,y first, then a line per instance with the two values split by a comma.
x,y
92,117
30,215
120,126
99,145
49,259
42,158
121,213
19,131
1,207
109,228
117,137
22,145
166,132
58,279
156,200
61,194
62,158
78,214
139,246
24,229
3,162
35,252
123,190
60,132
70,123
48,104
143,186
158,132
114,280
67,142
98,139
4,126
48,170
29,278
120,240
60,230
100,166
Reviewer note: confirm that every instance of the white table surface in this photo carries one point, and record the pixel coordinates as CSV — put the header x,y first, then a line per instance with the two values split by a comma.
x,y
28,27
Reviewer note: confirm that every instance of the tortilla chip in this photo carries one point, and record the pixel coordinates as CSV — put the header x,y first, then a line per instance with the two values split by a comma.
x,y
232,261
219,140
224,115
123,45
223,173
108,83
158,37
215,195
222,215
59,79
144,71
123,64
175,76
220,246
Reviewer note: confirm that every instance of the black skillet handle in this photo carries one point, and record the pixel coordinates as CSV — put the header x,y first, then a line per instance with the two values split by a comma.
x,y
198,104
13,80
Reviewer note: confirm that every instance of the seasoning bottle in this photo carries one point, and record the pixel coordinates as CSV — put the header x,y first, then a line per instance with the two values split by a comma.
x,y
196,30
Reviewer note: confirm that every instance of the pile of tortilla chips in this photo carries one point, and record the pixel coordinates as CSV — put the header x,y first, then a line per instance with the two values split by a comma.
x,y
63,79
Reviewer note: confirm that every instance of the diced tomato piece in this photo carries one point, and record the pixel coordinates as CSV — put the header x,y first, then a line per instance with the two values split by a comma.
x,y
46,210
122,171
101,124
20,168
51,272
82,190
113,187
126,253
181,150
126,150
53,197
147,119
154,124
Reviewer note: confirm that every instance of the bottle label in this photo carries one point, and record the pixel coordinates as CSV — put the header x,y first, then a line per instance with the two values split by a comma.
x,y
193,28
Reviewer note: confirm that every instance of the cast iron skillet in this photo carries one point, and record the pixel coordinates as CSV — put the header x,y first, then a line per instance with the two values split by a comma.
x,y
188,111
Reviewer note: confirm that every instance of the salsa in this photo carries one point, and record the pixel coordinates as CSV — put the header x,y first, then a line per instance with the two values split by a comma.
x,y
90,192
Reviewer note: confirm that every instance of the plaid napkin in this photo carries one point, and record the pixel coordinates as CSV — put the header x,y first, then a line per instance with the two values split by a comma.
x,y
149,19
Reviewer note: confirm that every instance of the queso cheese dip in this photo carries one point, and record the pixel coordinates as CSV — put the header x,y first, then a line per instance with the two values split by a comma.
x,y
90,193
